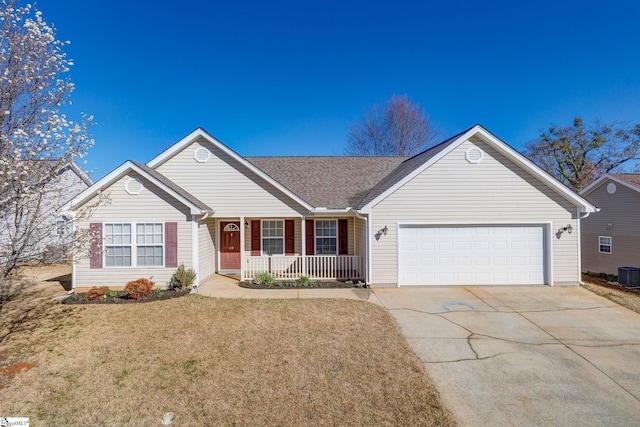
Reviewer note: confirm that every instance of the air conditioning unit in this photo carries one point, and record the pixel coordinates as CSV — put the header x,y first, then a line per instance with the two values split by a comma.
x,y
629,276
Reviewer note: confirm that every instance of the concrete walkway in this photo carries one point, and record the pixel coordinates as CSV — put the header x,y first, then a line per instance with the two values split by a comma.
x,y
227,287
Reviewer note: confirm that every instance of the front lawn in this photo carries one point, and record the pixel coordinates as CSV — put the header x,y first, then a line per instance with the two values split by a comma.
x,y
212,362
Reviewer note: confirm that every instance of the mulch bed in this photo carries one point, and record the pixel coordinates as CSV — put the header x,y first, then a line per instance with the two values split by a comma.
x,y
611,285
312,285
122,298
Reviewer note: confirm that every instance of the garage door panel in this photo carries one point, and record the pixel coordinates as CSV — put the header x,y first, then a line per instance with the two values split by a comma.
x,y
468,255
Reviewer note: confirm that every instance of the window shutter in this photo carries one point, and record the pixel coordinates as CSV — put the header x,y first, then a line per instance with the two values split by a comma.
x,y
95,256
289,237
309,237
255,237
343,242
170,244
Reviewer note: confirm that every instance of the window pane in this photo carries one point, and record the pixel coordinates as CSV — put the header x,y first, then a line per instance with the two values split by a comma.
x,y
149,255
272,229
326,246
118,256
272,246
326,228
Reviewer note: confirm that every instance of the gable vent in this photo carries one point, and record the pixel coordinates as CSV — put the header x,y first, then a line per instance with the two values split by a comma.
x,y
473,155
133,186
611,188
201,154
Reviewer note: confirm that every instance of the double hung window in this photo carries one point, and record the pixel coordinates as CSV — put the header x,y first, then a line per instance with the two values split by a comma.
x,y
125,249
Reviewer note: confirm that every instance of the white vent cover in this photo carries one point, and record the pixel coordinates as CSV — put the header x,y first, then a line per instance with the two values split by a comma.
x,y
201,154
133,186
611,188
473,155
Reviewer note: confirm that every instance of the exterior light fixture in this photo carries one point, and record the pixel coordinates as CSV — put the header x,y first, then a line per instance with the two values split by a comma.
x,y
385,230
246,225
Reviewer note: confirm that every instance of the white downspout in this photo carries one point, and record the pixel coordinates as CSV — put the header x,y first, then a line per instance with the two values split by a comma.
x,y
195,255
242,260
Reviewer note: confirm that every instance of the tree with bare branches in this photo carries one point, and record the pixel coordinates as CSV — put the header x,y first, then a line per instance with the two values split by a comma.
x,y
37,140
578,155
397,128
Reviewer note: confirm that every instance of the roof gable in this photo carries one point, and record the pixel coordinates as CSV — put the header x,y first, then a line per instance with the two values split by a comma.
x,y
196,206
629,180
415,165
200,133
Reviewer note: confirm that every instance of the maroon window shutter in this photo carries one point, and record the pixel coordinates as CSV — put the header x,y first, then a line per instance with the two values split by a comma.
x,y
95,257
343,242
309,237
171,244
255,237
289,237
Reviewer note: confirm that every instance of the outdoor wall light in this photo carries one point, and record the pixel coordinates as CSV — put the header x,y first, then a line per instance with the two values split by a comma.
x,y
246,225
568,228
385,230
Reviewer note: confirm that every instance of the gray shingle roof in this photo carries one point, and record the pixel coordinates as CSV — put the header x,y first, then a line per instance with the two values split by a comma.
x,y
405,168
173,186
335,182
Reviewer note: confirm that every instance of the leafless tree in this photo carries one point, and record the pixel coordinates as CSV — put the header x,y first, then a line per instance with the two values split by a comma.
x,y
37,140
578,155
397,128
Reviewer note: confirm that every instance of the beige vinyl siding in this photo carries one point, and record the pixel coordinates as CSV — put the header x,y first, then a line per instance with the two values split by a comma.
x,y
151,205
360,238
455,191
206,249
622,210
227,186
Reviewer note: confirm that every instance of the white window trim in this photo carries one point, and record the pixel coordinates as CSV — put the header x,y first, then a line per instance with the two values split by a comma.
x,y
610,244
262,221
315,236
134,244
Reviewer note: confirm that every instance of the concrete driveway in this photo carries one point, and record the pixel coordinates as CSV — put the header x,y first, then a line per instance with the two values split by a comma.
x,y
524,356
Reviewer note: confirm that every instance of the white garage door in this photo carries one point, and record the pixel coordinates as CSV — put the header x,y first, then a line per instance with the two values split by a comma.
x,y
471,255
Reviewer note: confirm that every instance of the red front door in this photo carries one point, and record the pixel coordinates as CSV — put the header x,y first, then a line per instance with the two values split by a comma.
x,y
229,246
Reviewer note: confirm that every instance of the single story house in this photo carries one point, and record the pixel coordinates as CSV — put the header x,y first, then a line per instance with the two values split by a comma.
x,y
468,211
611,239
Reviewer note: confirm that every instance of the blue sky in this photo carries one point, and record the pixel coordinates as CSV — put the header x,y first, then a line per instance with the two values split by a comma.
x,y
285,77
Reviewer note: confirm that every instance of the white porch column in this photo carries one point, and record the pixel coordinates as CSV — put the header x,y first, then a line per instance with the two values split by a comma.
x,y
242,248
195,255
303,245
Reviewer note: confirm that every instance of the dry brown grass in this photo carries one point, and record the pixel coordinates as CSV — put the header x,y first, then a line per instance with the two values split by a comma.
x,y
221,362
629,298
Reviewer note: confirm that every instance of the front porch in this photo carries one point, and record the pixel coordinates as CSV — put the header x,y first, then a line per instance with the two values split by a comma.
x,y
316,267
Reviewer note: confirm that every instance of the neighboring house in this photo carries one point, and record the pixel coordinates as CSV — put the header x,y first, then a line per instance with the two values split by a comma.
x,y
469,211
50,233
611,239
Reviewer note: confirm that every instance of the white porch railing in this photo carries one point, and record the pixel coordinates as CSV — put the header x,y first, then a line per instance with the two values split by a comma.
x,y
317,267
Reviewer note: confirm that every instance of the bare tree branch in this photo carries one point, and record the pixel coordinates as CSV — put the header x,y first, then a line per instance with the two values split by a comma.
x,y
578,155
399,128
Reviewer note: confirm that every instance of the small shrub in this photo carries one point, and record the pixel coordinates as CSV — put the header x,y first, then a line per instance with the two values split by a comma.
x,y
183,278
264,279
158,292
304,281
97,292
139,288
112,294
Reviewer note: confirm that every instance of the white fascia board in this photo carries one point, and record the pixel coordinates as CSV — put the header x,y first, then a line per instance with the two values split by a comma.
x,y
201,133
119,172
595,184
534,169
